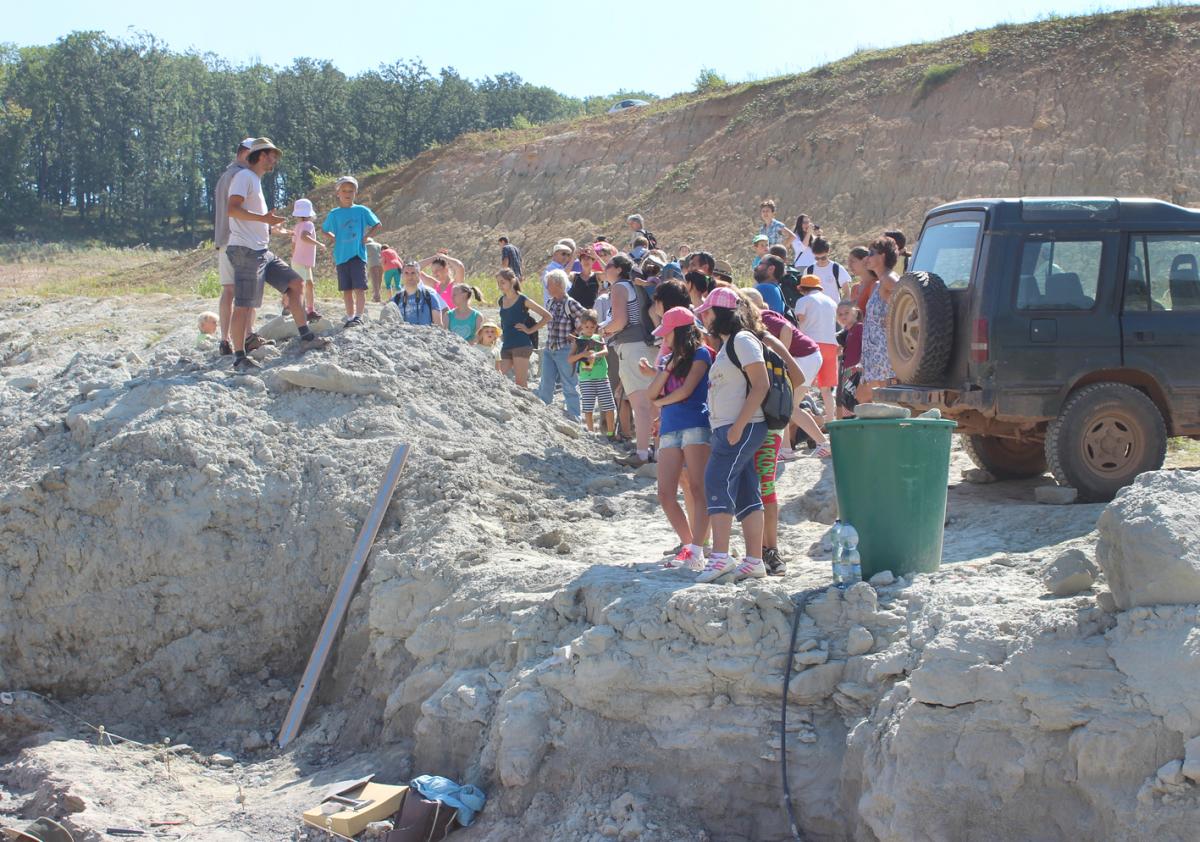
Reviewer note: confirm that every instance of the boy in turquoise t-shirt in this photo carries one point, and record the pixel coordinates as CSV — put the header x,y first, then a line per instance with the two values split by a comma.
x,y
349,225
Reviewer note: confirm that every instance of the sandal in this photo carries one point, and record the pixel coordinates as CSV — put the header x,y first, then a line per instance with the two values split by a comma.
x,y
823,452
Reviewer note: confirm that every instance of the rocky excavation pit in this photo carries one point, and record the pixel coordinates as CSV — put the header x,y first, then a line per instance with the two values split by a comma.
x,y
172,535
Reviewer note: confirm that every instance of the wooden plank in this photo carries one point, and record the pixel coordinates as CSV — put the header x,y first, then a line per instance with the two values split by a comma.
x,y
336,615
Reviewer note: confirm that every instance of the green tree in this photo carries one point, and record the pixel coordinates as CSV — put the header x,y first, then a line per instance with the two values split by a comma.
x,y
709,80
126,139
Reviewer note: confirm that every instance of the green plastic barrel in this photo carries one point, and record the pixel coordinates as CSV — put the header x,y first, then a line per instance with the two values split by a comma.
x,y
891,476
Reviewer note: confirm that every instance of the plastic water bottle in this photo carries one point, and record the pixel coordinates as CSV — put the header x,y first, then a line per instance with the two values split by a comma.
x,y
839,548
851,560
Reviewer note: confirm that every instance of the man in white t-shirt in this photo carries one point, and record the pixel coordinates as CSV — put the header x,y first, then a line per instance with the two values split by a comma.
x,y
834,277
816,317
250,223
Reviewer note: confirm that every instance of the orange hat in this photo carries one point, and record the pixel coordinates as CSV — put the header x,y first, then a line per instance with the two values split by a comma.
x,y
810,282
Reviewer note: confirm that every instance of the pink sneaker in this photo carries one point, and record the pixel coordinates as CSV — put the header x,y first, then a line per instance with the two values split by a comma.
x,y
685,558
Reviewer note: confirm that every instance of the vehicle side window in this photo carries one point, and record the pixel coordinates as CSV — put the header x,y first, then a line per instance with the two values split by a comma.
x,y
948,251
1059,274
1162,273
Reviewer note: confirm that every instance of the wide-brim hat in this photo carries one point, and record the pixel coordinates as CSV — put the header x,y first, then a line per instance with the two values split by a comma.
x,y
810,282
261,143
41,830
303,207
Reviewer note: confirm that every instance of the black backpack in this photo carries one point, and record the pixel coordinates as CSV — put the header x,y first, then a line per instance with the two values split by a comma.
x,y
650,238
790,287
789,311
643,298
777,405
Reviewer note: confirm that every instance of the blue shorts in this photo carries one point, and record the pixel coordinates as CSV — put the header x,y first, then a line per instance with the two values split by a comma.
x,y
684,438
352,275
731,478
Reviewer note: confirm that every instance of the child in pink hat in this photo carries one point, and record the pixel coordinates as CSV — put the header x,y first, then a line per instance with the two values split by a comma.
x,y
680,391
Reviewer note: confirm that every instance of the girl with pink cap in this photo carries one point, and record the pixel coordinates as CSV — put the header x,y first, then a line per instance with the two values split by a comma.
x,y
680,391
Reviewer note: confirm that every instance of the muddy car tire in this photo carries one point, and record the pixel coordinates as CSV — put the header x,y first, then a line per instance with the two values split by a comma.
x,y
1106,435
920,328
1006,458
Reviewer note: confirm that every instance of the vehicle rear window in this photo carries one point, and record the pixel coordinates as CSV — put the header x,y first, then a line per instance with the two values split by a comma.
x,y
1163,273
1059,274
948,251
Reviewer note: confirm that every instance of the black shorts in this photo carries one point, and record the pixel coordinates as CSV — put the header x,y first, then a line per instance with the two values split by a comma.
x,y
352,275
251,269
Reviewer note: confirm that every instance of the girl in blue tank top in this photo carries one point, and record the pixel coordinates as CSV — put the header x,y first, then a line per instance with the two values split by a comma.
x,y
516,334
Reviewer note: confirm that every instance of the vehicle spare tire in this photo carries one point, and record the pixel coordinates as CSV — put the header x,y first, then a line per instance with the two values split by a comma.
x,y
1006,458
920,328
1105,435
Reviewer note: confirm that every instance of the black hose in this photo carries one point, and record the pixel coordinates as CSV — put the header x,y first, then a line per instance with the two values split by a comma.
x,y
800,600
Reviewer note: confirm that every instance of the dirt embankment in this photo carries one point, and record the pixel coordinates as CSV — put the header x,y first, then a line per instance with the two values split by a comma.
x,y
172,535
1099,105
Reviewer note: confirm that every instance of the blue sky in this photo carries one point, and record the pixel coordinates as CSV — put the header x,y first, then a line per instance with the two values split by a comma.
x,y
549,43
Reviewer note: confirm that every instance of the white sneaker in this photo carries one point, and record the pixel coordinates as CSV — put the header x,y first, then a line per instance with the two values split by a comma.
x,y
750,570
716,568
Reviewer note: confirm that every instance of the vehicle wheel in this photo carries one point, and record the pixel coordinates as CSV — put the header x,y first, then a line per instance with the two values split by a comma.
x,y
1006,458
1106,435
920,328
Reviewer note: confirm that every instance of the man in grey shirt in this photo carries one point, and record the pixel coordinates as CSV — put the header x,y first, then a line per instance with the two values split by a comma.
x,y
221,239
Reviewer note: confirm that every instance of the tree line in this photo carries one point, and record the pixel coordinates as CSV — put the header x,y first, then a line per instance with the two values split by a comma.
x,y
124,139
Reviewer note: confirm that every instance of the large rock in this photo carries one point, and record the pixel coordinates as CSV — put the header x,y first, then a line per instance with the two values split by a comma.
x,y
1069,574
1055,495
1150,541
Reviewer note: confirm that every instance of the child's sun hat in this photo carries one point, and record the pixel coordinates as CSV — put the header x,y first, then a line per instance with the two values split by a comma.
x,y
303,207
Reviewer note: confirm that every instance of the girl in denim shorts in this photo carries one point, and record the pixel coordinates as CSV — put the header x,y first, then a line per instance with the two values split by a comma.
x,y
680,391
737,384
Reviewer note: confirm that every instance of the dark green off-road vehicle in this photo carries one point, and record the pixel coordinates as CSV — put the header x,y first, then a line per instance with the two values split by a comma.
x,y
1060,333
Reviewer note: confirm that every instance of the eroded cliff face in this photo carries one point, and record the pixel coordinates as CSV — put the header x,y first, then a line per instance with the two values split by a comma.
x,y
1088,106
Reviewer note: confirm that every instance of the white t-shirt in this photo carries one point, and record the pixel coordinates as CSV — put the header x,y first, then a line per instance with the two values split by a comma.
x,y
816,315
727,385
252,235
804,255
832,286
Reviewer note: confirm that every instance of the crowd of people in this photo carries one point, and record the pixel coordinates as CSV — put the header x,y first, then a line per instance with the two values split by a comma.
x,y
660,353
